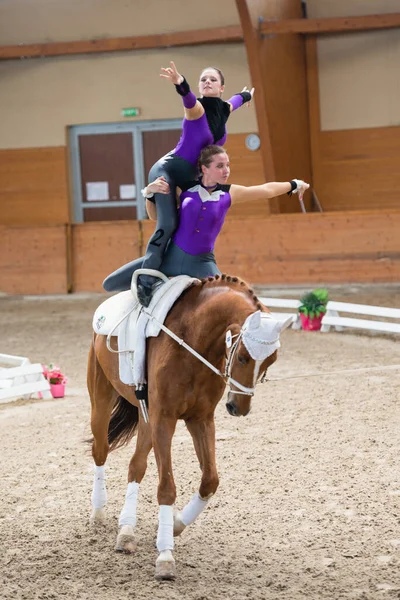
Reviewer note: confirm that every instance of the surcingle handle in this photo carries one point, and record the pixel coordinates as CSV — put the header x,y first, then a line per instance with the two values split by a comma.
x,y
152,272
141,393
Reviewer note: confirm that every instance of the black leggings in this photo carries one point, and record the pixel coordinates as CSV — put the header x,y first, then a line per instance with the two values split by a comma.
x,y
176,171
175,262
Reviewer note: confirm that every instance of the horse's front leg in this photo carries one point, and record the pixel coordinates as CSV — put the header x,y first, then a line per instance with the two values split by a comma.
x,y
163,428
203,435
137,468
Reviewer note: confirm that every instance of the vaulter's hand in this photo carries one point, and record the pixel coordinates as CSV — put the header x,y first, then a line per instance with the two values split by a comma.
x,y
172,74
251,92
158,186
302,186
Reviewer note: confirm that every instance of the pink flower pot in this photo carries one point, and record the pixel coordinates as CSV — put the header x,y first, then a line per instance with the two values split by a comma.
x,y
310,324
57,390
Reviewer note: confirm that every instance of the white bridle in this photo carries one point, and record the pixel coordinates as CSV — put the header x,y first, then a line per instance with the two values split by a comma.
x,y
242,389
246,336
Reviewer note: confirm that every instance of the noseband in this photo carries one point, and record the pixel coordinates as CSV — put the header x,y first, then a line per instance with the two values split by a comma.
x,y
244,391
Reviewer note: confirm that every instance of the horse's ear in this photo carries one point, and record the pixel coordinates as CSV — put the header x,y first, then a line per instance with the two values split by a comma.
x,y
255,321
286,323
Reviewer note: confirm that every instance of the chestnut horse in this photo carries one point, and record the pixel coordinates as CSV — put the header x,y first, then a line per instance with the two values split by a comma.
x,y
207,317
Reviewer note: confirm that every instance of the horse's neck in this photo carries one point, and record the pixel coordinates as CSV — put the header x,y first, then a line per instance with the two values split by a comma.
x,y
216,313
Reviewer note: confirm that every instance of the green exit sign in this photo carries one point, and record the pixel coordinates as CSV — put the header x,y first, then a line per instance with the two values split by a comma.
x,y
130,112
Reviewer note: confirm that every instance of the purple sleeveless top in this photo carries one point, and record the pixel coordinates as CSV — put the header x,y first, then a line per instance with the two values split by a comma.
x,y
196,135
201,216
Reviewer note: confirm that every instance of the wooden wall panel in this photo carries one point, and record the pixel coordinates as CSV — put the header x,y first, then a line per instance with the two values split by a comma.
x,y
246,169
33,187
147,228
97,249
33,260
246,165
353,169
359,247
313,248
358,168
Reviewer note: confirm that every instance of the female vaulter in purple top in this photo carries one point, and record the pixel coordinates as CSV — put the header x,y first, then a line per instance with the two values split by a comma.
x,y
203,207
203,124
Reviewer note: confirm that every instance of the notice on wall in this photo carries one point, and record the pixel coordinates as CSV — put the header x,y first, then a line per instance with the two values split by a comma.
x,y
127,192
97,191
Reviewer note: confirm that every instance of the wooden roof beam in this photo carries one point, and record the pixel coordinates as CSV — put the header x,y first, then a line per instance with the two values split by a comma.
x,y
331,24
218,35
253,43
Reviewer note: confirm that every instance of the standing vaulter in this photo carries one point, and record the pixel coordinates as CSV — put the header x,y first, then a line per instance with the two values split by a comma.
x,y
203,124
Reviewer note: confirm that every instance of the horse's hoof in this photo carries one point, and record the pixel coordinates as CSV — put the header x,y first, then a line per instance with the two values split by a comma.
x,y
178,525
98,516
165,566
126,540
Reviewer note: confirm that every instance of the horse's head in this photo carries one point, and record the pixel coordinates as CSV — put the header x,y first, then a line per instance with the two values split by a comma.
x,y
250,351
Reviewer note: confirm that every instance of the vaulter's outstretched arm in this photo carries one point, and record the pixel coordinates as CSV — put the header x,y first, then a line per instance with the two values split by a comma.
x,y
193,108
241,193
244,97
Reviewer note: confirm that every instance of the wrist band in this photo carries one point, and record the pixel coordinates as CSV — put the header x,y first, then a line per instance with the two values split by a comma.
x,y
147,195
293,185
246,96
183,88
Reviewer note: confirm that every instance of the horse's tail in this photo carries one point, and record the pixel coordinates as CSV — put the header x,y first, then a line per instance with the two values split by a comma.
x,y
123,423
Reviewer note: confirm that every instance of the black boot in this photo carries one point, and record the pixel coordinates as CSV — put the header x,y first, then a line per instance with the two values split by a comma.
x,y
145,288
142,395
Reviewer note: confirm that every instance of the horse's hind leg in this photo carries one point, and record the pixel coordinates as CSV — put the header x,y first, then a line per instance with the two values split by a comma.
x,y
137,468
203,435
102,399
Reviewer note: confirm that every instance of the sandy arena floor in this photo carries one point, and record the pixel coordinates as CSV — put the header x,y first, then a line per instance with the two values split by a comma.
x,y
309,499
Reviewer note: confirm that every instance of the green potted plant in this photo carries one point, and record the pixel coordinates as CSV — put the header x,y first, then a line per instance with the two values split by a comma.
x,y
312,309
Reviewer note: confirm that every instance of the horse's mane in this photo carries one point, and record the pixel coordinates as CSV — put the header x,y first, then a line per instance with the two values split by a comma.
x,y
220,280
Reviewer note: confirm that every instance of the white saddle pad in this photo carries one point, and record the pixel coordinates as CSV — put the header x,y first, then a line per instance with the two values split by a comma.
x,y
123,316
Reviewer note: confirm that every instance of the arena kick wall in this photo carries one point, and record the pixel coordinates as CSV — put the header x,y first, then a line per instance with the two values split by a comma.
x,y
292,249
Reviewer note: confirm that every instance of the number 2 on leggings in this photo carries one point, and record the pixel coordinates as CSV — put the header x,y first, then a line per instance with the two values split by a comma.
x,y
157,236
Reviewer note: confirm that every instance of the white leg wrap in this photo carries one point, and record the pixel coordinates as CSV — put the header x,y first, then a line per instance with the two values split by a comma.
x,y
192,510
165,535
99,493
128,513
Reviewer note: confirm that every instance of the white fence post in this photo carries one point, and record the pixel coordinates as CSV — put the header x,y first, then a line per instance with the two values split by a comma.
x,y
21,379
